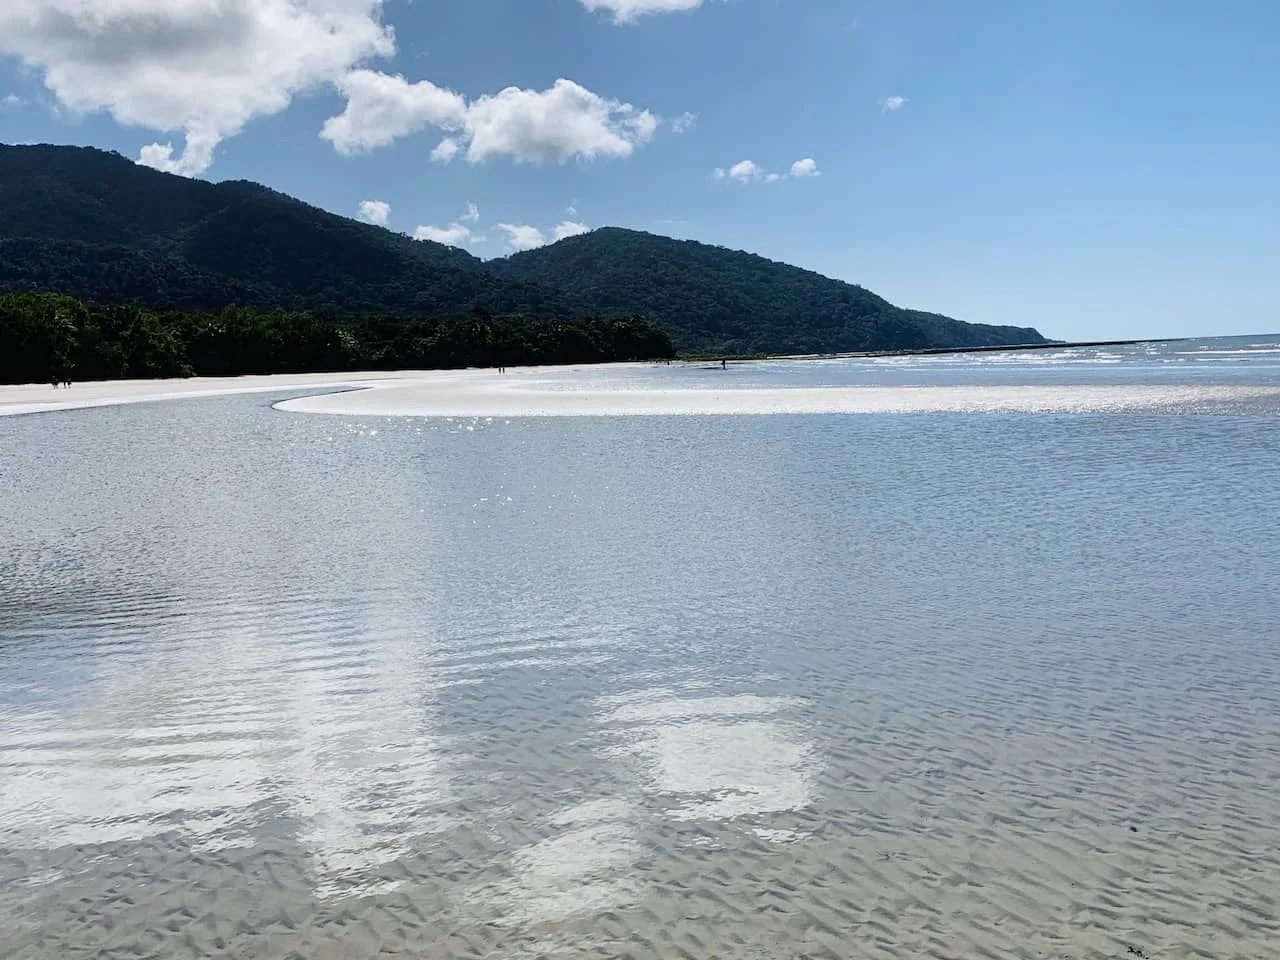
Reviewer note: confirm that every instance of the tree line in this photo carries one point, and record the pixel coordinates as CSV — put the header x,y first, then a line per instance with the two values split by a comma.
x,y
48,337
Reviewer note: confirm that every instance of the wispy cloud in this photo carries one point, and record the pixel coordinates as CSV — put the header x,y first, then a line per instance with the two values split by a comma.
x,y
684,123
10,101
445,150
626,11
892,103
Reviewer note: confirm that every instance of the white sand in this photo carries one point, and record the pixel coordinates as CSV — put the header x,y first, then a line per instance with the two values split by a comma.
x,y
543,393
608,391
35,397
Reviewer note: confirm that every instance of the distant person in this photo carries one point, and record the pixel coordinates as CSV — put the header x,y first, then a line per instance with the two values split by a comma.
x,y
724,365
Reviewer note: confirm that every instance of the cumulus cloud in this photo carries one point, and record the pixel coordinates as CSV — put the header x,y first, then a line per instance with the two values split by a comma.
x,y
626,11
521,236
554,125
565,121
195,67
377,212
570,228
745,171
891,103
382,107
748,171
684,123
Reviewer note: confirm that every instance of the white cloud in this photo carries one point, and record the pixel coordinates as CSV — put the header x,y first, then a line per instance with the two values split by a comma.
x,y
554,125
684,123
570,228
522,237
11,101
445,150
196,67
530,126
377,212
382,107
571,210
626,11
891,103
454,235
746,171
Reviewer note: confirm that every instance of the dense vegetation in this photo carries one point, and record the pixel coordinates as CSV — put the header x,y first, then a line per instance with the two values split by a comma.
x,y
721,301
100,228
44,337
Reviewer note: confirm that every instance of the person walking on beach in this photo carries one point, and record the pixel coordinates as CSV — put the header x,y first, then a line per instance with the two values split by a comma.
x,y
724,365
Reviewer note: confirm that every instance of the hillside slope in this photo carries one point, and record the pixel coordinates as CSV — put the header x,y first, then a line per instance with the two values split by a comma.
x,y
724,301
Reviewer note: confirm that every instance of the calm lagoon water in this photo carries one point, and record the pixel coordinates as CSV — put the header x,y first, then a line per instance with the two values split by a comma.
x,y
923,685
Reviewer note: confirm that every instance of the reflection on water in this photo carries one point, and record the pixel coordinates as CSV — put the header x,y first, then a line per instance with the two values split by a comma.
x,y
717,758
199,738
279,685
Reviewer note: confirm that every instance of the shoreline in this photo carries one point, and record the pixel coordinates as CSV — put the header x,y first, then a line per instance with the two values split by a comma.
x,y
931,351
561,390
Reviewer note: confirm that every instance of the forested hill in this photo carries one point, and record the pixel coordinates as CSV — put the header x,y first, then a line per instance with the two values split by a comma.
x,y
715,300
98,227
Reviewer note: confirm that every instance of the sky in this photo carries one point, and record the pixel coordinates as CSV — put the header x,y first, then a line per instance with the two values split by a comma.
x,y
1094,169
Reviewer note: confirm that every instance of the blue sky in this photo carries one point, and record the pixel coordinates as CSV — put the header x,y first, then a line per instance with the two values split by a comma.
x,y
1094,169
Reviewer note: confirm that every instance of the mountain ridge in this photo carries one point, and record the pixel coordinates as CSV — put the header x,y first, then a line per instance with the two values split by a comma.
x,y
96,226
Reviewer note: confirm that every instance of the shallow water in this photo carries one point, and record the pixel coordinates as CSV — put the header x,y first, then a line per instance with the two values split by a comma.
x,y
927,685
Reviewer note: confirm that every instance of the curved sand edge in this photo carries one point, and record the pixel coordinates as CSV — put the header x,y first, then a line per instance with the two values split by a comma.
x,y
488,394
